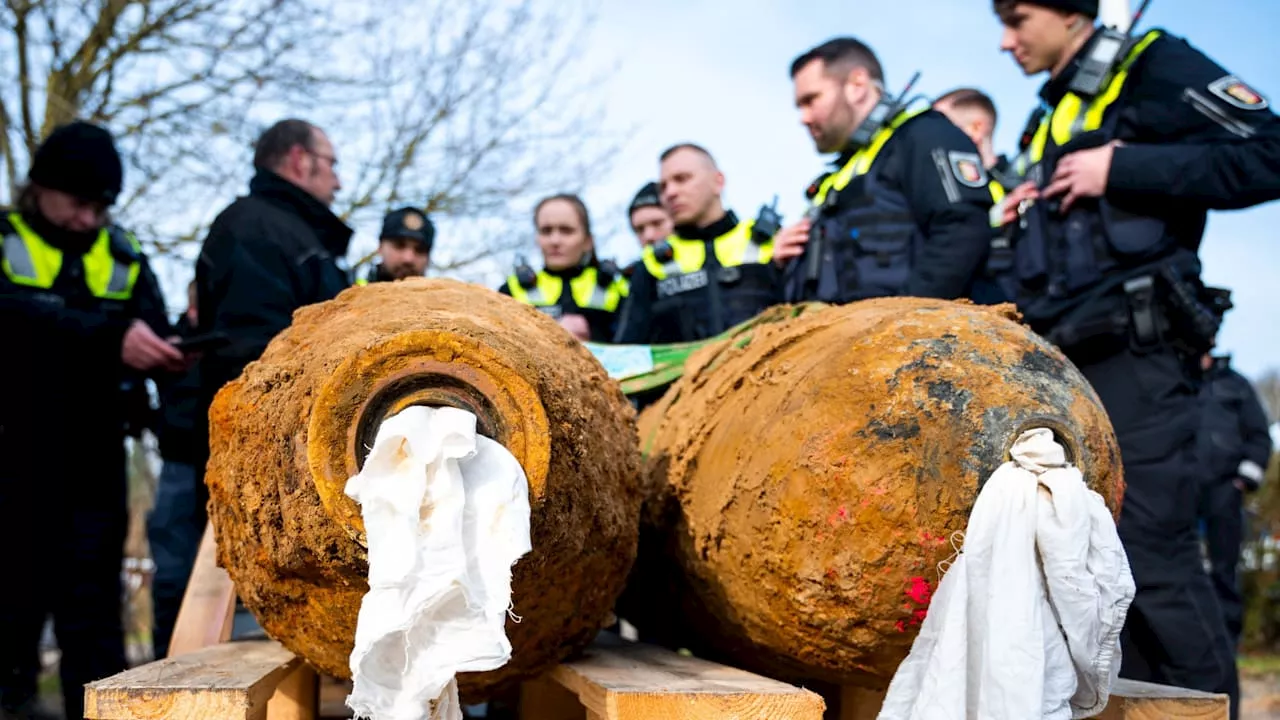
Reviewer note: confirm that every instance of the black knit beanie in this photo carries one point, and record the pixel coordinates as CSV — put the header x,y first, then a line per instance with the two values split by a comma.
x,y
79,159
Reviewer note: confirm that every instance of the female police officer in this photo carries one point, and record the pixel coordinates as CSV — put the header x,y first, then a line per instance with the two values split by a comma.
x,y
573,287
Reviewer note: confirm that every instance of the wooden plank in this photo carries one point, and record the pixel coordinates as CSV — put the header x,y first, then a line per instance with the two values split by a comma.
x,y
208,605
1133,700
642,682
231,680
545,699
297,697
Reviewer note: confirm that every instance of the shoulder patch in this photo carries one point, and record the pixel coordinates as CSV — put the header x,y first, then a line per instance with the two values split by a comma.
x,y
1235,92
967,167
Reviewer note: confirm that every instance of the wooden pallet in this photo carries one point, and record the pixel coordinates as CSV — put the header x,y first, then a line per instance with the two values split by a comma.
x,y
260,680
207,678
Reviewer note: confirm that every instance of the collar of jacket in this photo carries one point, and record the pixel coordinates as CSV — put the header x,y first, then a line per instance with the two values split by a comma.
x,y
73,243
568,273
334,234
1055,89
726,223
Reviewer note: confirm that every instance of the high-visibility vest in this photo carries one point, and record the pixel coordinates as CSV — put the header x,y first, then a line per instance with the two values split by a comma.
x,y
111,265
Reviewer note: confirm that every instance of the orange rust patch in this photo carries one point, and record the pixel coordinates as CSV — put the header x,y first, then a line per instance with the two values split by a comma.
x,y
288,433
891,410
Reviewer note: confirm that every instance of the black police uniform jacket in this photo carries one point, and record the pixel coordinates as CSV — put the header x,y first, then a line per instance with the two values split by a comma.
x,y
1193,138
63,400
718,276
909,214
605,289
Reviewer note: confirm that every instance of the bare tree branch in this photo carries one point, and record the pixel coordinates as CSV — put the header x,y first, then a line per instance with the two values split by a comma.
x,y
468,109
20,12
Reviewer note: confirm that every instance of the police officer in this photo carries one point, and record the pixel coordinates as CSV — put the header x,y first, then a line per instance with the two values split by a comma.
x,y
1141,137
905,211
712,273
404,246
649,220
1235,446
82,312
580,292
974,113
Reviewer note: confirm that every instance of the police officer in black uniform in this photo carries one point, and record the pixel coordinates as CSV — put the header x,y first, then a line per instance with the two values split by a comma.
x,y
906,209
581,292
82,313
1235,447
713,272
404,246
1141,136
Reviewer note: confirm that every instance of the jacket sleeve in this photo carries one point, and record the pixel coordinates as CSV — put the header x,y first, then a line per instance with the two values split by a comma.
x,y
636,315
1255,434
946,187
148,302
1203,135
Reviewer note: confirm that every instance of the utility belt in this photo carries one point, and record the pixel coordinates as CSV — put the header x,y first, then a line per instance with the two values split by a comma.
x,y
1165,307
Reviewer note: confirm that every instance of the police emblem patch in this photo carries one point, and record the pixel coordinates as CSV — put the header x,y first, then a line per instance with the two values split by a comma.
x,y
1237,93
967,167
412,221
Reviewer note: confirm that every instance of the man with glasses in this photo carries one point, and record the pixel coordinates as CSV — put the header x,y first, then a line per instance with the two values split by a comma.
x,y
269,253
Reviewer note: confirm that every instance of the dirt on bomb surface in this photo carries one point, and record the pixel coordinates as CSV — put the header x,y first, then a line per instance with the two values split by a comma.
x,y
814,472
287,435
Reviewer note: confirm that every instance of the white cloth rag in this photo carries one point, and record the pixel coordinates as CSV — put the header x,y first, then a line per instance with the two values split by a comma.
x,y
1026,622
446,514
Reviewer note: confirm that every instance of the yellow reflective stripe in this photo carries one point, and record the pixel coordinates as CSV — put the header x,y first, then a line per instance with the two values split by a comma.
x,y
997,191
28,259
106,276
688,256
996,215
861,161
544,294
1071,117
588,294
732,249
737,248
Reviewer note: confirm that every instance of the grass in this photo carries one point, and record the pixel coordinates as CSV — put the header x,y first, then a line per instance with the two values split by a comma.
x,y
1259,664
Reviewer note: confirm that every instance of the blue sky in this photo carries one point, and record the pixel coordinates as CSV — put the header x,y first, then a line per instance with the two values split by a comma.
x,y
715,73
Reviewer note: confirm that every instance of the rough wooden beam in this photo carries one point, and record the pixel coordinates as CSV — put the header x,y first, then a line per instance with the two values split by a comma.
x,y
1132,700
223,682
642,682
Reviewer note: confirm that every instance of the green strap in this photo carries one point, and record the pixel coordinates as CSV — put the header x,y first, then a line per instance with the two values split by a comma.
x,y
640,368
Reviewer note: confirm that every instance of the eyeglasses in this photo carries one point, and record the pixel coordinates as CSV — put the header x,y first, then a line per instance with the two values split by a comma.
x,y
333,161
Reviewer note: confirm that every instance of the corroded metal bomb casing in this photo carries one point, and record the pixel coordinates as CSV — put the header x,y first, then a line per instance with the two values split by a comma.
x,y
287,435
813,472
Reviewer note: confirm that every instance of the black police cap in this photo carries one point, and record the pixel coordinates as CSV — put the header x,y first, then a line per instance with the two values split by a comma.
x,y
647,197
411,223
79,159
